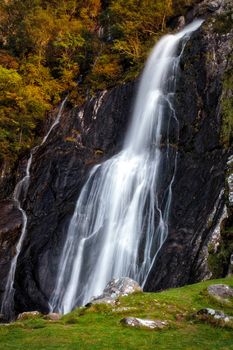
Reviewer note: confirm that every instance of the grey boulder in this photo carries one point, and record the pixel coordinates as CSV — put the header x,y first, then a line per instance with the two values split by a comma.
x,y
116,288
143,323
220,292
209,314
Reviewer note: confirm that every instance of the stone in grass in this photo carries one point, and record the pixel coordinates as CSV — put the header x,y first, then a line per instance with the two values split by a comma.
x,y
28,315
116,288
143,323
53,316
124,309
103,299
211,315
220,292
122,286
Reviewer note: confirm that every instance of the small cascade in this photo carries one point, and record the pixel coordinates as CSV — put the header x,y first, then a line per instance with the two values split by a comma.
x,y
19,196
122,214
56,121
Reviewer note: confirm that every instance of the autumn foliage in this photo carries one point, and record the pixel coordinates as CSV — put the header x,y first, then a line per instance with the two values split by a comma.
x,y
78,46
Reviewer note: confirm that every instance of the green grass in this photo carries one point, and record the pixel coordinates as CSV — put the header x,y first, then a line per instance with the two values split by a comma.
x,y
98,327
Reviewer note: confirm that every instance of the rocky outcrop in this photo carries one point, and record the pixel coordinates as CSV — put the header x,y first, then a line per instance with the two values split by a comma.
x,y
94,132
121,287
29,315
7,180
117,288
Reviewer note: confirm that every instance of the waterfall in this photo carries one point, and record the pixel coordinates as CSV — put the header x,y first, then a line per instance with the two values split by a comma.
x,y
121,217
19,196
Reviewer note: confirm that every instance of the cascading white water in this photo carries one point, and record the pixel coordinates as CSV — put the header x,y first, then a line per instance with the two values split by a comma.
x,y
56,121
19,195
121,219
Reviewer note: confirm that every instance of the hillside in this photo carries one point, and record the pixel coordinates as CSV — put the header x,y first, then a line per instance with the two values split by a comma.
x,y
99,327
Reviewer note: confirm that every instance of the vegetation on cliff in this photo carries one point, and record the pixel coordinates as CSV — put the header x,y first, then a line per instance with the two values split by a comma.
x,y
80,46
99,327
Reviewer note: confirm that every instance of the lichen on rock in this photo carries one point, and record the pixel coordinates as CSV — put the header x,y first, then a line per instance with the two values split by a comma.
x,y
143,323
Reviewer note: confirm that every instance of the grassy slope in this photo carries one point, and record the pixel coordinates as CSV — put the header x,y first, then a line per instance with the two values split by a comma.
x,y
98,327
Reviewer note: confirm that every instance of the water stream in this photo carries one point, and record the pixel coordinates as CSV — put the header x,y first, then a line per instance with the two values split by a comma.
x,y
19,195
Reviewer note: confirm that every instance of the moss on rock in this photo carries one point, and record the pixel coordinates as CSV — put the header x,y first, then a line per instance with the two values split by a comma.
x,y
227,107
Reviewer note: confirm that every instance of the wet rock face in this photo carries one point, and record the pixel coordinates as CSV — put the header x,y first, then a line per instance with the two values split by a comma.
x,y
10,229
198,191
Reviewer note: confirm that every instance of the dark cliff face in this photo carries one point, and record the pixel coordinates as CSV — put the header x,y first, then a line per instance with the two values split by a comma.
x,y
198,192
95,132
